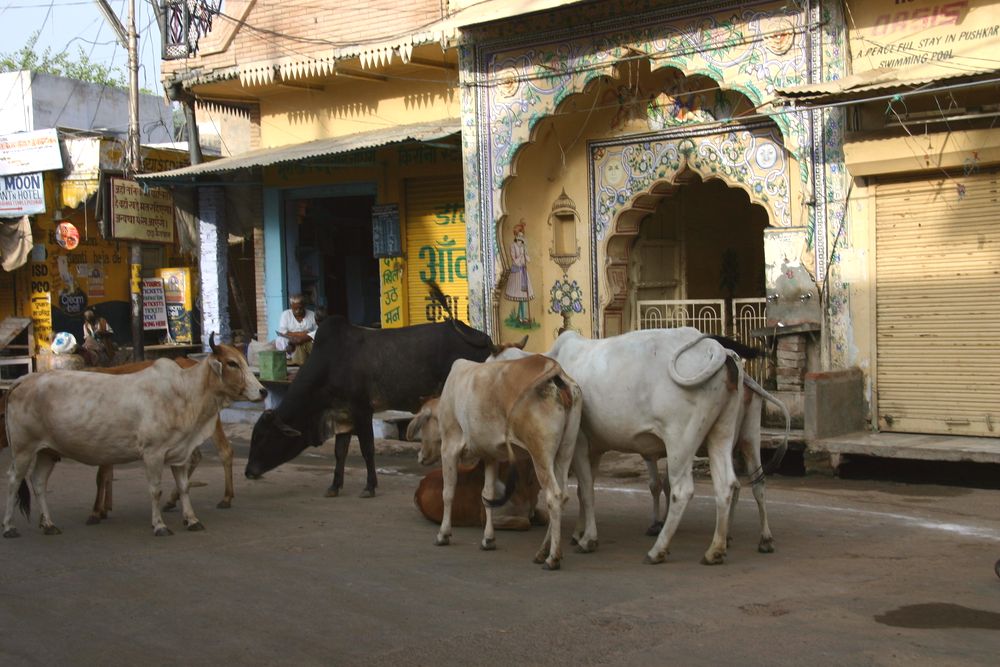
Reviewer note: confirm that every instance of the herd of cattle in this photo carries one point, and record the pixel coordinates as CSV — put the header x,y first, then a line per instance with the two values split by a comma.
x,y
659,394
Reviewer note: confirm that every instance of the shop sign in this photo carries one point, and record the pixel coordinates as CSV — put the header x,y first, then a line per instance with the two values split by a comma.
x,y
141,215
154,304
41,317
27,152
21,194
391,278
385,231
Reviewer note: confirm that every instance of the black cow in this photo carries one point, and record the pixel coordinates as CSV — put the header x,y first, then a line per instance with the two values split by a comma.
x,y
356,372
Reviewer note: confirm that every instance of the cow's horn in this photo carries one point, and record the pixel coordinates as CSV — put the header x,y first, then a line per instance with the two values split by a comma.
x,y
211,343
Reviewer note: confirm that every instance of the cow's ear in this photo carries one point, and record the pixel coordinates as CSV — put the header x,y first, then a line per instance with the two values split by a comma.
x,y
216,366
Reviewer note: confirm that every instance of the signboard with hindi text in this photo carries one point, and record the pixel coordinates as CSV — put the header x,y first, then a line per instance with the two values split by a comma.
x,y
141,215
26,152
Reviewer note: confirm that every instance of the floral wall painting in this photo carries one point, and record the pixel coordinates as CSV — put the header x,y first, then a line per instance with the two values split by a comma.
x,y
518,289
566,298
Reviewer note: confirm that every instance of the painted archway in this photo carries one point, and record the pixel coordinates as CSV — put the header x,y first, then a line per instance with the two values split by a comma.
x,y
630,177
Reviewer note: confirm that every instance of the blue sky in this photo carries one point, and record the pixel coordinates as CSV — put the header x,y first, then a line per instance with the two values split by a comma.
x,y
67,24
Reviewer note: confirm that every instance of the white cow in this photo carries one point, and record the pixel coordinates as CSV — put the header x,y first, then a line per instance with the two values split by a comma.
x,y
158,415
663,393
484,409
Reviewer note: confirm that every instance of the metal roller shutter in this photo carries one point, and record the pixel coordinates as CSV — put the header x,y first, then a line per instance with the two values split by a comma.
x,y
435,246
937,249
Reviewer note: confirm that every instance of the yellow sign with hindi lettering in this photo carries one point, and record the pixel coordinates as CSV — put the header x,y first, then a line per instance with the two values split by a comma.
x,y
141,215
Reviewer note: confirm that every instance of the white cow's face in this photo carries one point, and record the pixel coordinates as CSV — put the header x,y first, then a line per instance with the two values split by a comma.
x,y
425,426
238,381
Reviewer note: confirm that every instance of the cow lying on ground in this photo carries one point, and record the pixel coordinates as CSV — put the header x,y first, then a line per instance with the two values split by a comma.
x,y
485,409
105,474
355,372
158,415
467,509
664,393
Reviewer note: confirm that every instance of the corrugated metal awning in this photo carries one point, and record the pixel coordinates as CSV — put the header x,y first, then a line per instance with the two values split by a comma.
x,y
264,157
872,83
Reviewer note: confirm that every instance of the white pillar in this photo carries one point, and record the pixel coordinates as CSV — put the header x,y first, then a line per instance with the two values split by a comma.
x,y
213,265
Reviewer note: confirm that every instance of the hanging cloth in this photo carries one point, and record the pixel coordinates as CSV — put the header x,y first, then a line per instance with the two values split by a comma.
x,y
15,242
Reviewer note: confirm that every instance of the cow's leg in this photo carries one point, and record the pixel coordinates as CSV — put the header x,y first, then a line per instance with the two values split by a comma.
x,y
720,459
182,482
489,542
44,463
449,477
102,501
20,464
340,445
366,438
175,495
550,553
656,488
585,465
225,449
749,445
154,474
681,490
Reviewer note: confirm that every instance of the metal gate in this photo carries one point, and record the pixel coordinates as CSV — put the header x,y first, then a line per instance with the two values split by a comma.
x,y
711,316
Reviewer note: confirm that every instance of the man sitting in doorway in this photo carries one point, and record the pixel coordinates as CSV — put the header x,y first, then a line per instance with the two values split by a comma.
x,y
296,331
98,347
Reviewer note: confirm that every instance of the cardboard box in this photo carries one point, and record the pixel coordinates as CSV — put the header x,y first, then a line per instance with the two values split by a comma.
x,y
272,365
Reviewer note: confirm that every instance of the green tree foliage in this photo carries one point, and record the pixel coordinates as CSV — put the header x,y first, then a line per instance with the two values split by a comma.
x,y
81,68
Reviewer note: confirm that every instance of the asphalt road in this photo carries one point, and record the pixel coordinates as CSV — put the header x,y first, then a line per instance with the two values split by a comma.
x,y
865,573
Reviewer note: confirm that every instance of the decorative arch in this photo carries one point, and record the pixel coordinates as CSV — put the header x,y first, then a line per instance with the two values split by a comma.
x,y
630,177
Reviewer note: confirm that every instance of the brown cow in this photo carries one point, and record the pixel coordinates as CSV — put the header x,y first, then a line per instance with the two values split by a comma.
x,y
467,509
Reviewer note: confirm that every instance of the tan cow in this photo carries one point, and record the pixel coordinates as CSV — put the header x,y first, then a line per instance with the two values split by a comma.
x,y
485,409
158,415
105,474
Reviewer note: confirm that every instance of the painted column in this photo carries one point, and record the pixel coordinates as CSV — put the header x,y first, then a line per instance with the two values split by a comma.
x,y
275,281
213,265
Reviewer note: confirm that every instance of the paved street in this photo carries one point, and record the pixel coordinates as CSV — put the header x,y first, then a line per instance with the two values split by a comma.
x,y
865,573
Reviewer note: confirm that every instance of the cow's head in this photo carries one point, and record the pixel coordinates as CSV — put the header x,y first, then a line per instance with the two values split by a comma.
x,y
425,426
272,443
234,376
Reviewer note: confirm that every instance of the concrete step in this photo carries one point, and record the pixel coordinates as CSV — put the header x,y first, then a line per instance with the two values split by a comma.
x,y
915,446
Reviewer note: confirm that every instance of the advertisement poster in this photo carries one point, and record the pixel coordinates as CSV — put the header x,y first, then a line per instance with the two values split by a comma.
x,y
154,305
21,194
177,293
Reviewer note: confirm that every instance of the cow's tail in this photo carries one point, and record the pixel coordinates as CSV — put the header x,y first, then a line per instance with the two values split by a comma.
x,y
715,362
779,453
552,372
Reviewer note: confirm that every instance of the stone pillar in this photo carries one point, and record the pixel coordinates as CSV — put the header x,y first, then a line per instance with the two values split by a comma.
x,y
791,366
213,265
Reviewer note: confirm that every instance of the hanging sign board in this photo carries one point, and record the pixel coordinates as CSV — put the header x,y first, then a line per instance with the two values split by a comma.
x,y
139,215
21,194
27,152
385,231
154,304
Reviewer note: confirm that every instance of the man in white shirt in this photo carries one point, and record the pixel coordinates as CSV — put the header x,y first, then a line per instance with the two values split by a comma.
x,y
296,331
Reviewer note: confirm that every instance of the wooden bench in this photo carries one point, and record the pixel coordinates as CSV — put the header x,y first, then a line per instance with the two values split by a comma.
x,y
15,355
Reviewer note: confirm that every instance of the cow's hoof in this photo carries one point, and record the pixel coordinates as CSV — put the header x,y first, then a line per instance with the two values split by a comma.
x,y
169,507
332,492
488,545
649,560
551,565
11,532
714,559
766,546
224,504
442,540
51,530
195,526
654,529
163,532
368,493
588,547
93,520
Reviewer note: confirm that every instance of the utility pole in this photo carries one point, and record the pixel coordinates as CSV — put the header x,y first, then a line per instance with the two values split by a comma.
x,y
129,40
